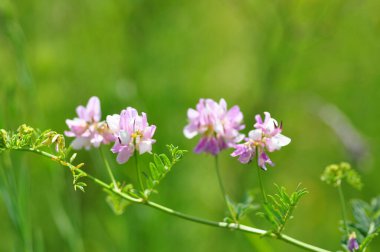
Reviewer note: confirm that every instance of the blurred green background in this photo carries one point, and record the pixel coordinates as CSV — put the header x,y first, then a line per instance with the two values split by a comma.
x,y
313,64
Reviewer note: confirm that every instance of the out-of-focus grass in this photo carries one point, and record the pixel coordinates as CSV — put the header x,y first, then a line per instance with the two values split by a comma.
x,y
161,57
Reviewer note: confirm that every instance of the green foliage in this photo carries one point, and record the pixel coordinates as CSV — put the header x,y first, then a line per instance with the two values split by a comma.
x,y
240,209
334,175
160,167
279,208
366,224
29,139
117,203
76,180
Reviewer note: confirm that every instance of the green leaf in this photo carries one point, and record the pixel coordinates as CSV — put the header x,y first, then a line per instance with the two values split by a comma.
x,y
160,167
279,208
366,224
241,209
118,204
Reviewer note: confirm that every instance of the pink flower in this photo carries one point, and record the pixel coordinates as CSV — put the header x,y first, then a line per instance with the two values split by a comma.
x,y
266,137
219,128
132,132
87,128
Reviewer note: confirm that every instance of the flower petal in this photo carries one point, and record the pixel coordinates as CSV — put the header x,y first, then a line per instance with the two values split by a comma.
x,y
80,142
145,146
113,122
125,154
93,109
256,134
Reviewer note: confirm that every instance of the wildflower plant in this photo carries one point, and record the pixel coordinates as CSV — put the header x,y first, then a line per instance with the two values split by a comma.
x,y
129,135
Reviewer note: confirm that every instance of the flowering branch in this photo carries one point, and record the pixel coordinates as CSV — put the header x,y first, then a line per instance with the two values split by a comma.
x,y
225,225
219,128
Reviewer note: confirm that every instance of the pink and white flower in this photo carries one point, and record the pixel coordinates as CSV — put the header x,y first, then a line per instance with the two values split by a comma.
x,y
219,128
265,137
132,132
87,128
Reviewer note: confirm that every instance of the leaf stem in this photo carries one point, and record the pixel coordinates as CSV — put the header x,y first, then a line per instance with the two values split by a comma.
x,y
108,168
223,190
263,194
234,226
343,205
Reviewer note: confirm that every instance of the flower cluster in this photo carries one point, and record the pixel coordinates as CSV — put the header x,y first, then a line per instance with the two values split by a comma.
x,y
132,132
265,137
218,126
87,128
129,131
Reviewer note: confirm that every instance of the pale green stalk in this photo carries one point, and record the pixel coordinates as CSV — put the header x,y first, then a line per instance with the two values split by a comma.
x,y
259,177
108,168
222,189
138,171
343,205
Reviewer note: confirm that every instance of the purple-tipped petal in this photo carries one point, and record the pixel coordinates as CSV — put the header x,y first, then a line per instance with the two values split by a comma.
x,y
219,128
212,146
263,160
201,145
245,153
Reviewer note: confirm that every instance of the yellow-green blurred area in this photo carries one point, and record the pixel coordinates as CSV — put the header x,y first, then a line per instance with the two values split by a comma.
x,y
312,64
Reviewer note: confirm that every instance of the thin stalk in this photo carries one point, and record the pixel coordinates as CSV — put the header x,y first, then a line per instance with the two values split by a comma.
x,y
343,205
222,189
234,226
263,194
138,171
108,168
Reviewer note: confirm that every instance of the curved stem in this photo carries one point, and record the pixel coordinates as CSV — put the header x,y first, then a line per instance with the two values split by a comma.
x,y
234,226
138,171
259,176
108,168
343,205
223,190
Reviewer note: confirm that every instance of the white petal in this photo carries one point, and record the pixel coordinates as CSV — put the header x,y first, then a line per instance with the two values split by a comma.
x,y
189,132
255,135
113,122
93,109
124,137
80,142
145,146
192,114
271,124
223,104
282,140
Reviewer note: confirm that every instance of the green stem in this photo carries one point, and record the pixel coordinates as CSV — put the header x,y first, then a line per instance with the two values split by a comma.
x,y
343,205
263,194
167,210
108,168
223,190
138,171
